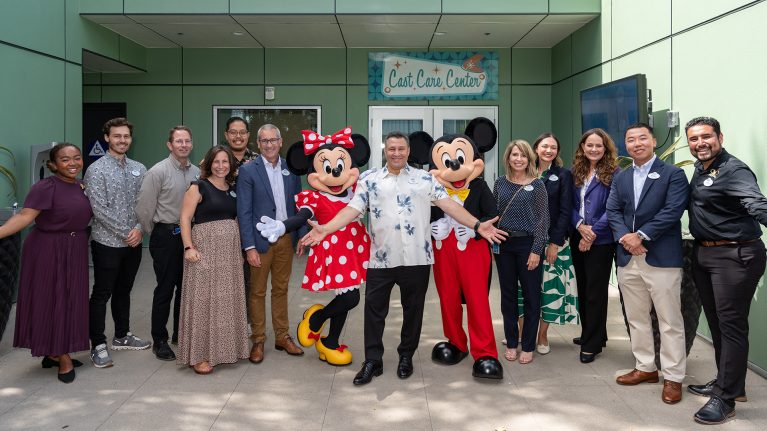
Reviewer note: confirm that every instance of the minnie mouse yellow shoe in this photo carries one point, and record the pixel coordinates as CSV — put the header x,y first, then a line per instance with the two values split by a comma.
x,y
306,336
339,356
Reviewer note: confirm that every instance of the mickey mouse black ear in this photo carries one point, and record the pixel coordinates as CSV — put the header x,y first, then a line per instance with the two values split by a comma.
x,y
483,132
361,151
298,162
420,148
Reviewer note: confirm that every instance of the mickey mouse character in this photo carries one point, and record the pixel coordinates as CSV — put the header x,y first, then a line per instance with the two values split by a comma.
x,y
339,262
462,261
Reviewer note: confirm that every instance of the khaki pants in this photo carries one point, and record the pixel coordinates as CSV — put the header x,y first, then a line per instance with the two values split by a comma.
x,y
642,287
278,261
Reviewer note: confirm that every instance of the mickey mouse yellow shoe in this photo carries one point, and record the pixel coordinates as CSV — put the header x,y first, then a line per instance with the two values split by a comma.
x,y
306,336
339,356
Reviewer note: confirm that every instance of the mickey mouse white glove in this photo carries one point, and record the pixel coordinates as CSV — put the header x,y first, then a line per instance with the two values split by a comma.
x,y
463,234
270,229
440,229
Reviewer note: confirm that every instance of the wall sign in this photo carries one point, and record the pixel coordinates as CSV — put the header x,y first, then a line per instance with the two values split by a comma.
x,y
432,75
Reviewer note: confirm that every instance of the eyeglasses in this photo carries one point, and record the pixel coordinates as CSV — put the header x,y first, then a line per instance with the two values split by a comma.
x,y
238,132
183,141
271,141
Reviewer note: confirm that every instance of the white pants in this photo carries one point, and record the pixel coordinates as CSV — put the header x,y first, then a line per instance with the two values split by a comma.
x,y
642,287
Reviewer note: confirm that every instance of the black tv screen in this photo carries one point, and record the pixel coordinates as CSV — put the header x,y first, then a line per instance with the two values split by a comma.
x,y
614,106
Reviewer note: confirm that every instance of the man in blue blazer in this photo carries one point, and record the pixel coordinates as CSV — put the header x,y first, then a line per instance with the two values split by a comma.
x,y
265,187
644,209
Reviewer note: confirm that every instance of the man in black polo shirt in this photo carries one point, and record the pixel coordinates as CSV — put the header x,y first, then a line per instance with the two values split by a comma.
x,y
726,207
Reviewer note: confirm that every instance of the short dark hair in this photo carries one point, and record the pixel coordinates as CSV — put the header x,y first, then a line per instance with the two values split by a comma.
x,y
117,122
205,166
234,119
54,152
558,160
176,129
397,135
704,121
639,125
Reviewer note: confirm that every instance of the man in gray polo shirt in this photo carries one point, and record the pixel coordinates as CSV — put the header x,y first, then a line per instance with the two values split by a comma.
x,y
112,185
158,211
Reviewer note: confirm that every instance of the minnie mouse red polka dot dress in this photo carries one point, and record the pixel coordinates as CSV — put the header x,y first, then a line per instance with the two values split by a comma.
x,y
339,261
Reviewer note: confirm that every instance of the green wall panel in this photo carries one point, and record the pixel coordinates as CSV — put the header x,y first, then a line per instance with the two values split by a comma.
x,y
357,67
73,108
176,6
163,66
688,13
530,111
198,110
562,117
34,24
224,66
23,107
83,34
655,19
306,66
92,94
574,6
581,81
655,62
530,66
586,46
504,66
153,110
100,6
357,109
561,59
495,6
132,53
387,7
282,7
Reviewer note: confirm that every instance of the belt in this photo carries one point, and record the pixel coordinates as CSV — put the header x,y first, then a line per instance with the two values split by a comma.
x,y
516,233
722,242
167,225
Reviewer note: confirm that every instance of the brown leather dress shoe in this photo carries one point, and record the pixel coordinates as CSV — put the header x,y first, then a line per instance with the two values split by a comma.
x,y
672,392
287,344
636,377
257,353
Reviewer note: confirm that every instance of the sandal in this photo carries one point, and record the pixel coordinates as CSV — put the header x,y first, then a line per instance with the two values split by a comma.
x,y
526,358
510,354
199,369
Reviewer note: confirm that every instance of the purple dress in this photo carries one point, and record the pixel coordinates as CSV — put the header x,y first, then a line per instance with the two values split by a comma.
x,y
52,307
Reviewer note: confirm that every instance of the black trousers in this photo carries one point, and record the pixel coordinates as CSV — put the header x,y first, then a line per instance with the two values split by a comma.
x,y
413,282
513,273
114,271
592,273
726,278
167,252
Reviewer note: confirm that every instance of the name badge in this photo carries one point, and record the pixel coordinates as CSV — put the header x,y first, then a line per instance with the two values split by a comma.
x,y
197,177
232,194
412,180
285,173
528,188
653,175
553,177
135,173
708,182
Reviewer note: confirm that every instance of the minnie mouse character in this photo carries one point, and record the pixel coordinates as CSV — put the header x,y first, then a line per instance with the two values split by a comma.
x,y
339,262
462,261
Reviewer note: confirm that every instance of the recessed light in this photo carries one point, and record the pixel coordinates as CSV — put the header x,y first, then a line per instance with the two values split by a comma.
x,y
439,33
487,34
180,34
237,33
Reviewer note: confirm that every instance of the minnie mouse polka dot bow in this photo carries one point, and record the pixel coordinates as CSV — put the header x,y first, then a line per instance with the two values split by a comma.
x,y
313,140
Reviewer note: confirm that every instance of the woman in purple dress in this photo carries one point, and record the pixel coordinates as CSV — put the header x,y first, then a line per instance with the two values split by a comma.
x,y
52,307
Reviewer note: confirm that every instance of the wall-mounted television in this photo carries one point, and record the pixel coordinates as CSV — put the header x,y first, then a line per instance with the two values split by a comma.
x,y
614,106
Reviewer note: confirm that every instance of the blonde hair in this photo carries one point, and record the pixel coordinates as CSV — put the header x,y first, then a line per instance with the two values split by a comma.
x,y
527,151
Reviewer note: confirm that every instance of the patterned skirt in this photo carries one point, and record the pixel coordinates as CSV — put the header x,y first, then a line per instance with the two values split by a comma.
x,y
559,292
213,325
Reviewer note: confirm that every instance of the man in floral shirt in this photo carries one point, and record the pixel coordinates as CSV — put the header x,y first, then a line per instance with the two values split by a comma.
x,y
399,199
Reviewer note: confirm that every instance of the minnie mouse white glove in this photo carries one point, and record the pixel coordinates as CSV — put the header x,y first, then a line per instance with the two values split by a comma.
x,y
270,229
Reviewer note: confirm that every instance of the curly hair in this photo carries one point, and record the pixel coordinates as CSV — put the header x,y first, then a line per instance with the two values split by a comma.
x,y
605,166
205,170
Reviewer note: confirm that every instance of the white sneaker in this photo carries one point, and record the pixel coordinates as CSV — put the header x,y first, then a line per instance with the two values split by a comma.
x,y
100,356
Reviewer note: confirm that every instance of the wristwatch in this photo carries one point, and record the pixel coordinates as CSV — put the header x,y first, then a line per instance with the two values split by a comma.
x,y
476,227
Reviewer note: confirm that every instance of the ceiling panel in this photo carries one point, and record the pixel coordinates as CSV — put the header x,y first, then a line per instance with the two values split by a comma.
x,y
388,19
508,19
182,19
141,35
108,19
284,19
387,35
304,35
199,35
553,30
480,35
97,63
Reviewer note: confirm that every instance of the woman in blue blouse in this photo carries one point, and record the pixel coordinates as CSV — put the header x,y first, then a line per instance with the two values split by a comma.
x,y
524,214
593,247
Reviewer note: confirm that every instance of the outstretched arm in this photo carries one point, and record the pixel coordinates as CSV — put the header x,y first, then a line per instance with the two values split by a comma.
x,y
318,232
459,213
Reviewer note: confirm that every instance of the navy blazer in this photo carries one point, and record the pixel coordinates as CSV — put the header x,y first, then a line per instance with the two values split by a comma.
x,y
595,210
255,199
658,214
559,187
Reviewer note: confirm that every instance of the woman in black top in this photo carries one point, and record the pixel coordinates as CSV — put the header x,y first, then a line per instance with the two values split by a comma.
x,y
212,325
524,214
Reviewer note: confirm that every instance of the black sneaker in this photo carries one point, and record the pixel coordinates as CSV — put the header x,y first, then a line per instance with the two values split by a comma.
x,y
163,351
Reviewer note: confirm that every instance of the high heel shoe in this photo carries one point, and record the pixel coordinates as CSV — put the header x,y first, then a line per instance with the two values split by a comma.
x,y
50,363
339,356
68,377
306,337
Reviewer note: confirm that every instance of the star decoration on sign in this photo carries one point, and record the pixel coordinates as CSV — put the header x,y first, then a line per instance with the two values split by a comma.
x,y
436,69
397,64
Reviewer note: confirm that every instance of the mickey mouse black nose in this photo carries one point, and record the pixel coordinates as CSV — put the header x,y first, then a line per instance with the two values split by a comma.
x,y
453,164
